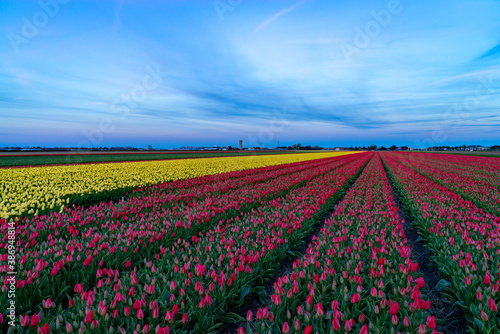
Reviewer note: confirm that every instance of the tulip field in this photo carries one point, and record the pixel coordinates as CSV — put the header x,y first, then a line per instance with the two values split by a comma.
x,y
295,243
34,191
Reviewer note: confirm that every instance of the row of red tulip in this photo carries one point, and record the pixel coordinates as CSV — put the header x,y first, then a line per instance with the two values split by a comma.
x,y
212,274
464,240
217,183
357,275
484,193
81,243
476,167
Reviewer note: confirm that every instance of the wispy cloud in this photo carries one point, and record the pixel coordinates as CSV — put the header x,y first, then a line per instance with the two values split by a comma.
x,y
279,14
118,23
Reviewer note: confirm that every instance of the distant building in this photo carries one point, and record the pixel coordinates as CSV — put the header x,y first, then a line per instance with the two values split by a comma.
x,y
477,148
241,144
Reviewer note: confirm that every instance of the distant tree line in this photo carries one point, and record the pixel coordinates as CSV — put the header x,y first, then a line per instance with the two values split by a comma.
x,y
299,147
376,148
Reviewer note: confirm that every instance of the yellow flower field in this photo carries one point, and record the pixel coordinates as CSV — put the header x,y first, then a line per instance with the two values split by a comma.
x,y
30,190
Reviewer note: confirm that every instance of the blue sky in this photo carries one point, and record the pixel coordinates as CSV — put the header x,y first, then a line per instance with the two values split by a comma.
x,y
182,73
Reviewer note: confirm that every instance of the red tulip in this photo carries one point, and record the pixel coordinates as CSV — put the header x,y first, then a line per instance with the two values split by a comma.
x,y
25,321
308,330
394,308
336,324
47,303
347,326
45,329
35,320
297,324
479,296
165,330
168,316
319,309
184,318
355,298
431,322
89,317
259,314
492,305
487,279
286,328
79,288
